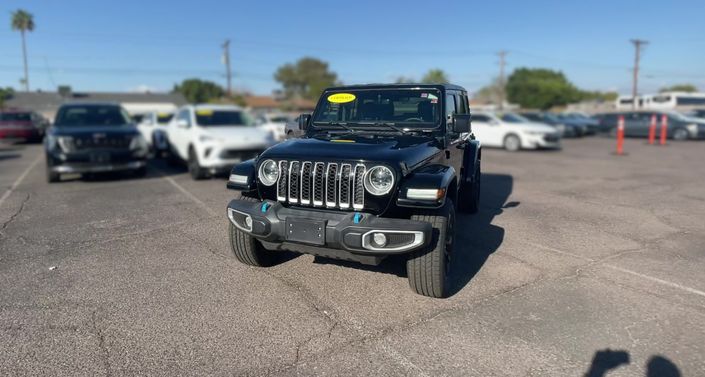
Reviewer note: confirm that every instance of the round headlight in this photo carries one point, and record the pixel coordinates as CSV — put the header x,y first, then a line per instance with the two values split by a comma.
x,y
268,172
379,180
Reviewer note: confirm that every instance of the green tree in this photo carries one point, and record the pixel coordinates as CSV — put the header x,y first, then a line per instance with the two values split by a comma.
x,y
435,76
307,78
540,88
23,22
598,95
199,91
689,88
491,93
5,94
404,80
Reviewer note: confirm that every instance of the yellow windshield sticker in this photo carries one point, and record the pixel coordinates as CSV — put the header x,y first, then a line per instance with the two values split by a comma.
x,y
341,98
204,112
342,141
163,114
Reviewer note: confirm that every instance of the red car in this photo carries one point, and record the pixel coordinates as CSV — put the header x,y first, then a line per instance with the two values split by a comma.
x,y
20,125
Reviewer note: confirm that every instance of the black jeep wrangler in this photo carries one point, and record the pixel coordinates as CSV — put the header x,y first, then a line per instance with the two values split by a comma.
x,y
379,170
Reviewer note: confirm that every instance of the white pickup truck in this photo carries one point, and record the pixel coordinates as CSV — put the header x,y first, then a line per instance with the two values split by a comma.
x,y
212,138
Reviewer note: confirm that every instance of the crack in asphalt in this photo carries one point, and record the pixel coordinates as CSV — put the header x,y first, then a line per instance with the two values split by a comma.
x,y
17,213
380,334
101,344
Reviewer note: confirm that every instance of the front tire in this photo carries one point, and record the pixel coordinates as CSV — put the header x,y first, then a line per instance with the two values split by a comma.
x,y
680,134
428,268
52,177
194,167
512,143
247,249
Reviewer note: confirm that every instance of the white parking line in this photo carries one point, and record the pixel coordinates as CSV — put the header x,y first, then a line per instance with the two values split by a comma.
x,y
624,270
188,194
19,180
657,280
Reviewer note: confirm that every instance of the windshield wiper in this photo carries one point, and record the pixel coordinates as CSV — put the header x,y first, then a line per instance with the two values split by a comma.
x,y
341,125
392,126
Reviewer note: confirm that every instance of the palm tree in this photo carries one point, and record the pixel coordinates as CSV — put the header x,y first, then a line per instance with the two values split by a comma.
x,y
24,22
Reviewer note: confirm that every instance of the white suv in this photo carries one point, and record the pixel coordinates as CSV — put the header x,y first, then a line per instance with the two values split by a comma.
x,y
520,133
212,138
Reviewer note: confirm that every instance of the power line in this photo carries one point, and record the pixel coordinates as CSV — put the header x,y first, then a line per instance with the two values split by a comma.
x,y
637,55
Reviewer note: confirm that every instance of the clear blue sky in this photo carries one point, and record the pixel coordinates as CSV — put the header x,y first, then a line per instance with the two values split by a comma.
x,y
124,45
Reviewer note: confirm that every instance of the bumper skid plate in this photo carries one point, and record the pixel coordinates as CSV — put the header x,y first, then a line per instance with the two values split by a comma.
x,y
350,232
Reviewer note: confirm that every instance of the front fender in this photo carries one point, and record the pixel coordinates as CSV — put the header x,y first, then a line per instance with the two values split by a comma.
x,y
429,179
244,169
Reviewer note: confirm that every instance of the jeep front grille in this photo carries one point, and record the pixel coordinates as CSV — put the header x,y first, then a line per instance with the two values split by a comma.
x,y
319,184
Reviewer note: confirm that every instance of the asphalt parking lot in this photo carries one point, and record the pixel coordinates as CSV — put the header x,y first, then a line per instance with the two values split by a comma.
x,y
573,253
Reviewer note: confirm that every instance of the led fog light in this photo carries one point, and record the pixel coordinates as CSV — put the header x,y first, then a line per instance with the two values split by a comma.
x,y
379,239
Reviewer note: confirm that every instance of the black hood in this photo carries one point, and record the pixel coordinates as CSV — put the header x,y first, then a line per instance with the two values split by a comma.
x,y
407,150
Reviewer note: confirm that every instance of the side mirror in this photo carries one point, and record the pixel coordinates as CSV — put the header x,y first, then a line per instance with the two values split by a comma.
x,y
461,123
181,123
304,120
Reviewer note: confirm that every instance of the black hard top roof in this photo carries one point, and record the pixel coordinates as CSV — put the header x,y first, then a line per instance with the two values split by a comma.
x,y
399,86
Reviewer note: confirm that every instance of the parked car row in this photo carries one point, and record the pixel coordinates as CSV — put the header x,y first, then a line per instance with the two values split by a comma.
x,y
102,137
637,124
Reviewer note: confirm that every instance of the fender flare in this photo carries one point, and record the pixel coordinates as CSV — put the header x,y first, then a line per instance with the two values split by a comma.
x,y
246,168
471,157
428,177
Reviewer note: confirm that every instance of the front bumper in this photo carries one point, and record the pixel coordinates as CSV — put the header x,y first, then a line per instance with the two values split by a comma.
x,y
547,141
87,167
94,161
348,233
221,158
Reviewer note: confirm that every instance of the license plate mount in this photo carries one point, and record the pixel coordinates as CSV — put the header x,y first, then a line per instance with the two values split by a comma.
x,y
306,230
100,158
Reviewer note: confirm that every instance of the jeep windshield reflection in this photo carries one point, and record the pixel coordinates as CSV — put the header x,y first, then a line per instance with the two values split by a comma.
x,y
404,108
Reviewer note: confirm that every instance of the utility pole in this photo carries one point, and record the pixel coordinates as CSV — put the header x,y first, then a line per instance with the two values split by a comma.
x,y
637,55
226,61
502,62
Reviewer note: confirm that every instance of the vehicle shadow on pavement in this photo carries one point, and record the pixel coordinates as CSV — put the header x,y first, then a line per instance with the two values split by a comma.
x,y
9,156
476,237
476,233
607,360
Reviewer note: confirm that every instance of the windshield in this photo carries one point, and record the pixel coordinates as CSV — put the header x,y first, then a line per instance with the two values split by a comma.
x,y
514,118
15,117
164,118
212,118
411,108
91,115
551,118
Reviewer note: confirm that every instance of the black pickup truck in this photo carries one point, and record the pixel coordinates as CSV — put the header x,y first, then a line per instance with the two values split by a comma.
x,y
93,138
379,170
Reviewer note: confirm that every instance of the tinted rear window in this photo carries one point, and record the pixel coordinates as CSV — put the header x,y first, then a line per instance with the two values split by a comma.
x,y
91,115
690,101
